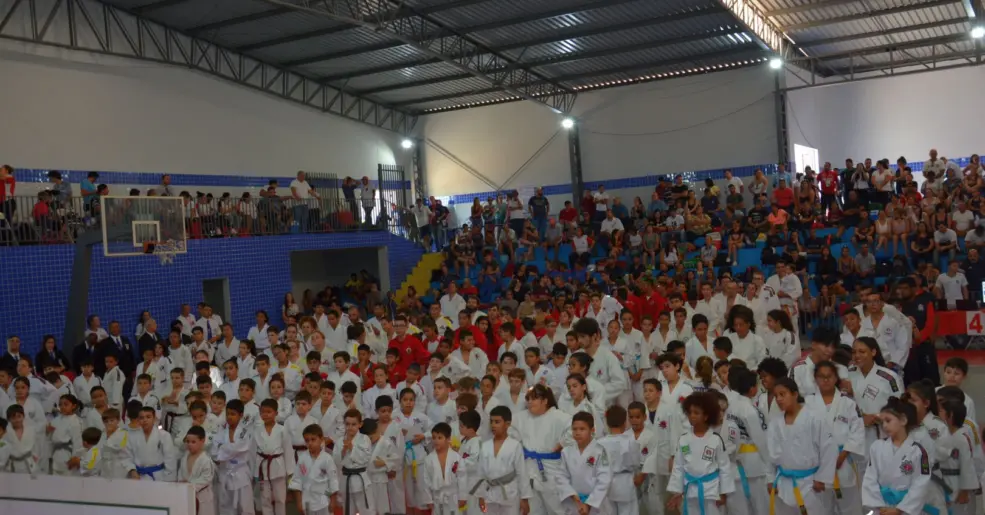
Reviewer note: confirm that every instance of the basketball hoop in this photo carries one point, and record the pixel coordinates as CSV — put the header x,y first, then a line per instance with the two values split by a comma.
x,y
164,250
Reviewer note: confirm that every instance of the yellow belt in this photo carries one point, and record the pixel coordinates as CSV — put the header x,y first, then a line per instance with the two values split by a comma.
x,y
748,448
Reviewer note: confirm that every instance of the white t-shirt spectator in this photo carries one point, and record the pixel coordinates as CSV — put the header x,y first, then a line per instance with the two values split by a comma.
x,y
946,237
934,166
675,221
451,306
422,214
885,175
580,243
973,239
737,182
963,221
601,201
516,210
302,188
952,286
611,224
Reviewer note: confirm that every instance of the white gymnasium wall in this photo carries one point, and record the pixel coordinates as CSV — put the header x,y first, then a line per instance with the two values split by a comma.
x,y
892,117
695,123
704,122
71,110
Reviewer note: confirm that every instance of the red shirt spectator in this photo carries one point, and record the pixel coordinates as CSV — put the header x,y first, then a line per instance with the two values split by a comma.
x,y
783,197
568,215
829,182
410,347
41,211
588,204
481,342
7,182
364,373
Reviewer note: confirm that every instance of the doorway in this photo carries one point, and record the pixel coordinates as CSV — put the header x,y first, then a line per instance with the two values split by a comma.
x,y
215,292
803,157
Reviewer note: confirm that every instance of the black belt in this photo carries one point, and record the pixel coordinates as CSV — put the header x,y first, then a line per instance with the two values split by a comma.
x,y
349,474
269,459
298,448
66,446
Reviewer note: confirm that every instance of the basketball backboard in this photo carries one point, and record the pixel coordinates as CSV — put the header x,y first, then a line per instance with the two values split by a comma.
x,y
134,226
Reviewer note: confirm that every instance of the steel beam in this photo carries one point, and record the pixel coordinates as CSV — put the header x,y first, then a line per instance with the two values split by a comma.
x,y
561,35
851,74
881,49
90,26
397,12
756,23
807,7
526,18
867,35
574,56
574,156
894,65
144,9
461,52
867,15
229,22
698,58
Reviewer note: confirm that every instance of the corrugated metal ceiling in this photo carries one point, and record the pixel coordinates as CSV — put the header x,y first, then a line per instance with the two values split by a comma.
x,y
579,43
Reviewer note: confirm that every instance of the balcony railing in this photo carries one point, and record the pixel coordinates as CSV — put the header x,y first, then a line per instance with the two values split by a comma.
x,y
26,220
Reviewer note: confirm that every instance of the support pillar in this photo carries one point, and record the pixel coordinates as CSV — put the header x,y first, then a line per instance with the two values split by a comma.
x,y
574,152
780,103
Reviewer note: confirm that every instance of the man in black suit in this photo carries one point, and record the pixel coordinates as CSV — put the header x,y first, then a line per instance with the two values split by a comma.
x,y
150,337
13,354
120,346
89,350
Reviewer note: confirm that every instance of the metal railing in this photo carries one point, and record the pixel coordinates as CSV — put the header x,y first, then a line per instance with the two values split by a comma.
x,y
27,220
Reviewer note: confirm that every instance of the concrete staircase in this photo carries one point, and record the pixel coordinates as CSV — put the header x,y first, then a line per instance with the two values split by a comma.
x,y
420,276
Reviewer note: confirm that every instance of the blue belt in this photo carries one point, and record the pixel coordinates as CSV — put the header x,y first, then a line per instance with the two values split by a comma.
x,y
793,475
540,457
409,447
150,471
745,481
700,481
583,497
894,497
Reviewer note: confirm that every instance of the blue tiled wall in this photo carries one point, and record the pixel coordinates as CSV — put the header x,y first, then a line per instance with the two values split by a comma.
x,y
36,280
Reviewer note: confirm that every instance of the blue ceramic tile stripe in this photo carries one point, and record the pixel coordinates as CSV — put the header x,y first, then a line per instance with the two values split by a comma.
x,y
177,179
36,279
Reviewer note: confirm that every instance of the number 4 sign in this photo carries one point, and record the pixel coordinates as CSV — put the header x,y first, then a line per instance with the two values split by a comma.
x,y
975,323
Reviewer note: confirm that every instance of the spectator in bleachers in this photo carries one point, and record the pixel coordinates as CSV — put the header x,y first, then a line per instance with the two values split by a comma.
x,y
953,285
62,191
865,265
945,240
783,197
540,208
301,191
89,189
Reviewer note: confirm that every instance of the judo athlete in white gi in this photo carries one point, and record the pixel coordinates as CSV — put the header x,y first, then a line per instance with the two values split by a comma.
x,y
385,457
848,433
414,429
274,459
233,451
151,450
90,463
22,443
504,484
469,423
646,442
446,478
116,463
872,385
625,461
898,474
702,475
315,481
804,454
197,469
752,453
585,474
353,454
957,467
65,436
544,430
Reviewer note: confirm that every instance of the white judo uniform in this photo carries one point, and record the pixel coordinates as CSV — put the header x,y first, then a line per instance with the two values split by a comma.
x,y
747,432
896,477
801,452
542,436
234,455
702,472
588,475
849,436
447,484
274,459
504,477
200,473
625,461
317,479
153,455
354,484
